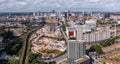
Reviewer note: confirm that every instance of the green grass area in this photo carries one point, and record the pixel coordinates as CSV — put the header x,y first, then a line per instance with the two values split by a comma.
x,y
52,51
59,39
116,58
13,61
64,27
28,53
102,60
72,38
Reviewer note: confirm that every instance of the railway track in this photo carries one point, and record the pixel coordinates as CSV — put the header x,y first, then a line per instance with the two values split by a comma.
x,y
25,42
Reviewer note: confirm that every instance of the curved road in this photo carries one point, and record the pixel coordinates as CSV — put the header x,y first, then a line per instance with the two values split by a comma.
x,y
24,48
64,55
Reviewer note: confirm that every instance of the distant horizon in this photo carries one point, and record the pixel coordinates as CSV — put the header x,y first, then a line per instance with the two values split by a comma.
x,y
47,5
55,10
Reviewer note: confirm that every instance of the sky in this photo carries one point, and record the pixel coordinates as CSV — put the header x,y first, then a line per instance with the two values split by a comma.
x,y
48,5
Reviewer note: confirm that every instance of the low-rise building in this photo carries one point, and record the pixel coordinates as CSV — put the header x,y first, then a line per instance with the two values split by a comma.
x,y
89,36
112,47
111,62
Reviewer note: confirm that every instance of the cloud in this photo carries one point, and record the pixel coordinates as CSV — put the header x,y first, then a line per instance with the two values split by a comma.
x,y
40,5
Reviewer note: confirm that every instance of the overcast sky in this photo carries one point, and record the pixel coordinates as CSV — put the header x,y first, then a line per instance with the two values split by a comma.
x,y
47,5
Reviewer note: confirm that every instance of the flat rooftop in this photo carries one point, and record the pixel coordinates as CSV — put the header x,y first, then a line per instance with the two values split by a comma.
x,y
83,59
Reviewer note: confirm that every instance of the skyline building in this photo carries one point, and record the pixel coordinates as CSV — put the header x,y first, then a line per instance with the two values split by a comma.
x,y
75,50
90,34
79,32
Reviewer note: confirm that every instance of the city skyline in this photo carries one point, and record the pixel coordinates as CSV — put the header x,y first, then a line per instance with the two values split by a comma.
x,y
48,5
56,37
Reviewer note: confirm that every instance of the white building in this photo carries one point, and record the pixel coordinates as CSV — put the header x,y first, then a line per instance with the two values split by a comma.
x,y
88,36
71,32
90,23
75,50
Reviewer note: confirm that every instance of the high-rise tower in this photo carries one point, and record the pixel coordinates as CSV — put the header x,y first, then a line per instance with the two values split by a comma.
x,y
75,50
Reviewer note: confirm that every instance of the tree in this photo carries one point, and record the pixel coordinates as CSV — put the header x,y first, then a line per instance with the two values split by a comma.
x,y
109,42
8,34
3,61
64,27
13,48
104,63
38,62
14,61
33,56
92,48
96,48
53,62
2,31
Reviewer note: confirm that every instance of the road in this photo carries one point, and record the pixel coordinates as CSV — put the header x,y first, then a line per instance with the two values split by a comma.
x,y
24,48
64,35
62,56
25,42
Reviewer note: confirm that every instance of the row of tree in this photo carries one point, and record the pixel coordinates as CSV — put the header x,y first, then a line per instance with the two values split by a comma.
x,y
12,45
98,48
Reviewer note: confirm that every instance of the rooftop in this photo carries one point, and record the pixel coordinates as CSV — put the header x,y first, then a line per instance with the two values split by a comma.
x,y
83,59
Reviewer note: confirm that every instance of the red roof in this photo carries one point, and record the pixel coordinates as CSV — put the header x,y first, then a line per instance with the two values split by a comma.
x,y
111,62
113,54
112,47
